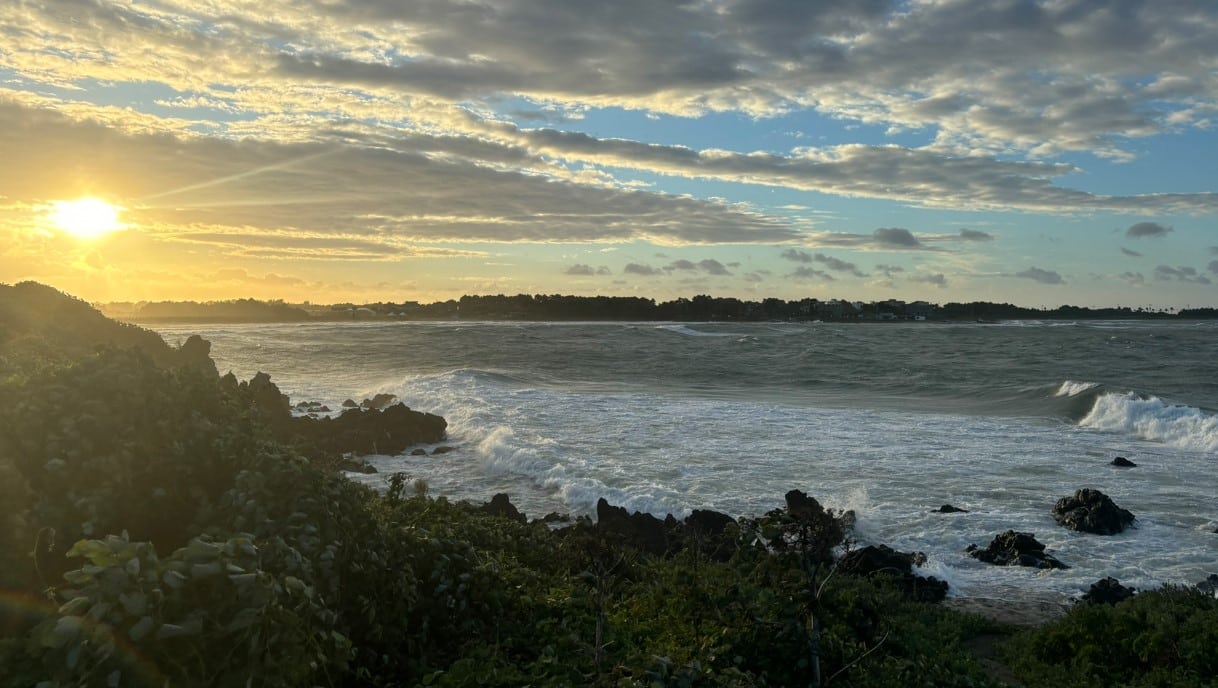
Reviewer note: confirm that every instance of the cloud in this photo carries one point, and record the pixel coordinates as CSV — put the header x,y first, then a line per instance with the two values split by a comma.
x,y
797,255
839,265
1041,275
682,265
889,270
580,269
1136,279
804,272
1166,273
1143,230
1131,253
640,269
938,279
975,235
713,267
1213,267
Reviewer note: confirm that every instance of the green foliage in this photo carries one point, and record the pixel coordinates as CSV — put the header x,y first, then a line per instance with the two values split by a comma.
x,y
283,573
1165,637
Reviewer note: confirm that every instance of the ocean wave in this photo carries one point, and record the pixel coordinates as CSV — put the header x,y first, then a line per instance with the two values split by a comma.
x,y
691,332
1151,418
1070,388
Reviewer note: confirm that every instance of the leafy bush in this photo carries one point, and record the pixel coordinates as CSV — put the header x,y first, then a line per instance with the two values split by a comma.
x,y
1165,637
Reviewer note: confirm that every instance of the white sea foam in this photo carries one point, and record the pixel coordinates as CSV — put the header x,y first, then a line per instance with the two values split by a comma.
x,y
1071,388
1152,419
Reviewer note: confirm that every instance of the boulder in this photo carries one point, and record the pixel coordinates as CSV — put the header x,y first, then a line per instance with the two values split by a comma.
x,y
876,560
502,507
1209,586
356,465
418,452
639,530
379,401
1122,462
1016,549
555,517
195,352
1091,511
949,509
708,522
442,450
349,403
1108,591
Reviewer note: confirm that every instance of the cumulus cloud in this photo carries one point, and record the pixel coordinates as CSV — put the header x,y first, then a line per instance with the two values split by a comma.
x,y
1166,273
1143,230
1041,275
1130,252
797,255
803,272
975,235
713,267
641,269
580,269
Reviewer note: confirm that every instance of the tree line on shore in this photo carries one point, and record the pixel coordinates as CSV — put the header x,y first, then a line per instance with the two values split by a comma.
x,y
700,308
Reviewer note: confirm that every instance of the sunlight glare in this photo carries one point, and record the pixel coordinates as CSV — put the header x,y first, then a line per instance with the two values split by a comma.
x,y
86,218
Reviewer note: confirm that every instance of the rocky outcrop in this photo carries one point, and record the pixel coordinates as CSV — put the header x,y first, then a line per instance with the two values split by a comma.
x,y
195,352
949,509
379,402
1122,462
1108,591
875,560
706,522
1091,511
354,464
1209,586
643,531
501,506
355,431
1016,549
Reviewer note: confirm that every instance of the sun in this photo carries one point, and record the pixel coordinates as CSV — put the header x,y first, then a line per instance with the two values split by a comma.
x,y
86,218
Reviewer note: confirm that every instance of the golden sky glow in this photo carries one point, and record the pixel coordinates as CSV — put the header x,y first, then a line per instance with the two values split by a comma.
x,y
372,150
85,218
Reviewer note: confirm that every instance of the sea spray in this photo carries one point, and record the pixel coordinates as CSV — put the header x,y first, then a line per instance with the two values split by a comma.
x,y
1153,419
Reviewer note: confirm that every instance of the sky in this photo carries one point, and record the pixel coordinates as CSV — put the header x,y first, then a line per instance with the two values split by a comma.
x,y
1037,153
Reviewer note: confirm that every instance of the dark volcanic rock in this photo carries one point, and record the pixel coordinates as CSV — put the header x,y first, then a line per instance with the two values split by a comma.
x,y
501,506
1209,586
884,560
708,522
350,403
1122,462
442,450
949,509
195,352
1016,549
1108,591
356,465
418,452
379,401
555,517
643,531
1091,511
355,431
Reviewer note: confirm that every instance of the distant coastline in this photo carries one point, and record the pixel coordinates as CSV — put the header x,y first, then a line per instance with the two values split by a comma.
x,y
525,307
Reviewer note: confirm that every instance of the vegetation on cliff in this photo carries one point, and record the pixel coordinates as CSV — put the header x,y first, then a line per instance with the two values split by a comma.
x,y
155,531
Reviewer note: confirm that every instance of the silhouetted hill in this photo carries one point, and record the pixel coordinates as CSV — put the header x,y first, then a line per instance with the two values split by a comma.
x,y
41,322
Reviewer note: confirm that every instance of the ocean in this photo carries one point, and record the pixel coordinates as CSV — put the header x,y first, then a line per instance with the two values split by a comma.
x,y
890,420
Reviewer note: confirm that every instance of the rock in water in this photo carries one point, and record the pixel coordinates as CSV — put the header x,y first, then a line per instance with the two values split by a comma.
x,y
1016,549
500,505
1091,511
379,401
642,531
1122,462
1108,591
884,560
949,509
